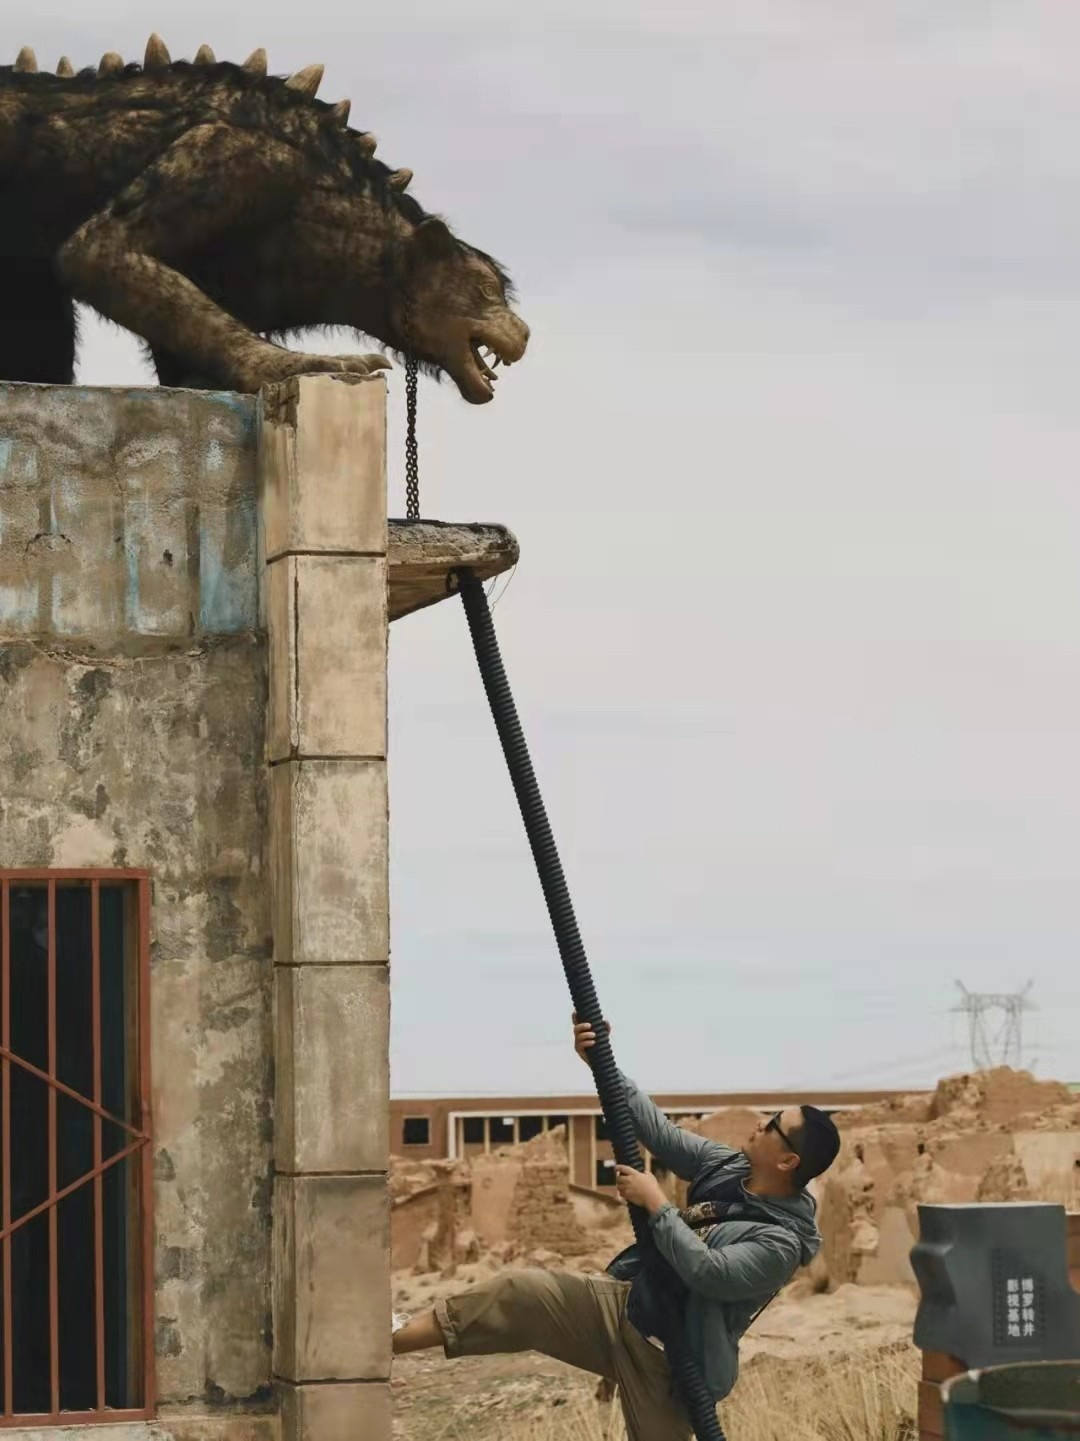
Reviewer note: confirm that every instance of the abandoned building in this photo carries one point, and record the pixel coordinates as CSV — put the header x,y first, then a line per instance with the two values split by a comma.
x,y
444,1128
195,591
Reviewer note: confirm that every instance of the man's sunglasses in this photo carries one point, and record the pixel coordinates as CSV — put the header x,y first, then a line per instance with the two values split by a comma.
x,y
773,1124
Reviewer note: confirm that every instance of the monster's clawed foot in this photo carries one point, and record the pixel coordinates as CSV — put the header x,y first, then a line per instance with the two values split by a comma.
x,y
337,364
251,373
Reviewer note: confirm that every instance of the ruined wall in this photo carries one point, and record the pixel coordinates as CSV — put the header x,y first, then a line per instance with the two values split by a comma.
x,y
542,1214
132,706
997,1135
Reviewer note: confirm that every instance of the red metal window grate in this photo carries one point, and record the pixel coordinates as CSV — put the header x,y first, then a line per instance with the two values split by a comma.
x,y
76,1161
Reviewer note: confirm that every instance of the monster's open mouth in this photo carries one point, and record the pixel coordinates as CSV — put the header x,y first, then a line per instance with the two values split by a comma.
x,y
484,358
473,366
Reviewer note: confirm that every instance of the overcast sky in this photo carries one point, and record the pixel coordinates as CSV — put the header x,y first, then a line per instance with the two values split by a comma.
x,y
793,462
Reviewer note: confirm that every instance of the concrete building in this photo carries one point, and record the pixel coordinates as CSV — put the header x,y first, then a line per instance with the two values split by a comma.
x,y
451,1128
194,920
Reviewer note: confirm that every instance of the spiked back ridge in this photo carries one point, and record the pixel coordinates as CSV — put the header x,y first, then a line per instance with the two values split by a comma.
x,y
286,95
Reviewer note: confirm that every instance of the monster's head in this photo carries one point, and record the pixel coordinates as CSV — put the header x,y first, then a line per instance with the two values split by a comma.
x,y
453,305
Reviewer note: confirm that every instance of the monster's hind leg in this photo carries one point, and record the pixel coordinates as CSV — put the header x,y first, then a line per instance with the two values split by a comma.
x,y
37,323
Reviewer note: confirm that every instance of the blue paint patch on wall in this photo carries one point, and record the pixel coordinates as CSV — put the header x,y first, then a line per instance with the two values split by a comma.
x,y
132,607
183,467
229,592
18,603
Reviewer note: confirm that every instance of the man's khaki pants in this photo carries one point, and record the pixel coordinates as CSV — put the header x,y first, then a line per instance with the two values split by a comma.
x,y
577,1319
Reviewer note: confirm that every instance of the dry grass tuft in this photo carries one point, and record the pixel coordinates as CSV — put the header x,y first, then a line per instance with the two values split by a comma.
x,y
868,1396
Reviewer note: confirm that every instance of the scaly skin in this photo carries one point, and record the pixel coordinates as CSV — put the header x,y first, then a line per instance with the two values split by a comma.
x,y
208,206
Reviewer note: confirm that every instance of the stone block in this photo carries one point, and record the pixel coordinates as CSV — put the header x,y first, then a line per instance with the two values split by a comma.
x,y
327,623
331,1278
329,838
354,1411
322,462
333,1078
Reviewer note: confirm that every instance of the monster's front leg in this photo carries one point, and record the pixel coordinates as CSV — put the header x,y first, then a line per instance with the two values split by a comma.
x,y
127,261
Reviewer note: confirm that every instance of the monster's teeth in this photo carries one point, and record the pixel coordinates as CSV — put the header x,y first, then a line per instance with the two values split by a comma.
x,y
481,363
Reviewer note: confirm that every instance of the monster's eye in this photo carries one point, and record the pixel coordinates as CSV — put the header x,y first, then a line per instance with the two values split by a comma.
x,y
490,291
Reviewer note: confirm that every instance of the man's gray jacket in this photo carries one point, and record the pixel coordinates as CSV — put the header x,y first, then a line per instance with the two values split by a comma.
x,y
743,1260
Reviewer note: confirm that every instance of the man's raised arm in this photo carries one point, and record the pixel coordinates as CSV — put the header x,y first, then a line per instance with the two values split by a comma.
x,y
680,1151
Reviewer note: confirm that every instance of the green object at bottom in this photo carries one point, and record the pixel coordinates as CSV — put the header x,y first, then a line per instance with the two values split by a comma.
x,y
1038,1401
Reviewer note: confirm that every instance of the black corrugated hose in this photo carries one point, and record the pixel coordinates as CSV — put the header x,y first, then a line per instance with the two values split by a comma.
x,y
689,1382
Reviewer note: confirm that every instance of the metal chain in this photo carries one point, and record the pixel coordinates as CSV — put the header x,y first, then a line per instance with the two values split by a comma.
x,y
412,470
412,464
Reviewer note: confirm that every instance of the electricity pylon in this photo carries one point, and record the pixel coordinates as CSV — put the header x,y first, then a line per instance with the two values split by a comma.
x,y
995,1026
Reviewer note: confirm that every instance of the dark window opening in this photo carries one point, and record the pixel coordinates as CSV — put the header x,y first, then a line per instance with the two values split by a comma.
x,y
605,1173
554,1121
73,1307
472,1130
416,1131
600,1129
501,1130
530,1126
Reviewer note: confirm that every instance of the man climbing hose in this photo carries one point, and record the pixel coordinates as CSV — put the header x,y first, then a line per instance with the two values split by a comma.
x,y
748,1226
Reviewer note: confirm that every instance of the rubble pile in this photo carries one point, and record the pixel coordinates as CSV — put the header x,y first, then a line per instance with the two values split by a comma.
x,y
511,1205
997,1135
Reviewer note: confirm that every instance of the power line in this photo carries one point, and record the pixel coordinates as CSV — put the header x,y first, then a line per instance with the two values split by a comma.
x,y
995,1025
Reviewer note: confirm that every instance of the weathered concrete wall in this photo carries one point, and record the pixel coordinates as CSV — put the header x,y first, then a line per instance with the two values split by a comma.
x,y
132,713
193,637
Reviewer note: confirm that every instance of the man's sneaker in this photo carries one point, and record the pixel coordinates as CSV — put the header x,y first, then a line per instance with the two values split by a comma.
x,y
400,1320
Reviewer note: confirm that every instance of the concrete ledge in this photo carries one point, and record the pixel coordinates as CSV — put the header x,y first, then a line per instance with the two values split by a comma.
x,y
422,553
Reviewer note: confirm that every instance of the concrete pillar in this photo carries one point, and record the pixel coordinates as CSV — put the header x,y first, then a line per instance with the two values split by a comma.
x,y
322,460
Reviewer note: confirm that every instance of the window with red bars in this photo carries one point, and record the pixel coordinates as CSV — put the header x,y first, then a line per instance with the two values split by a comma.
x,y
76,1184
